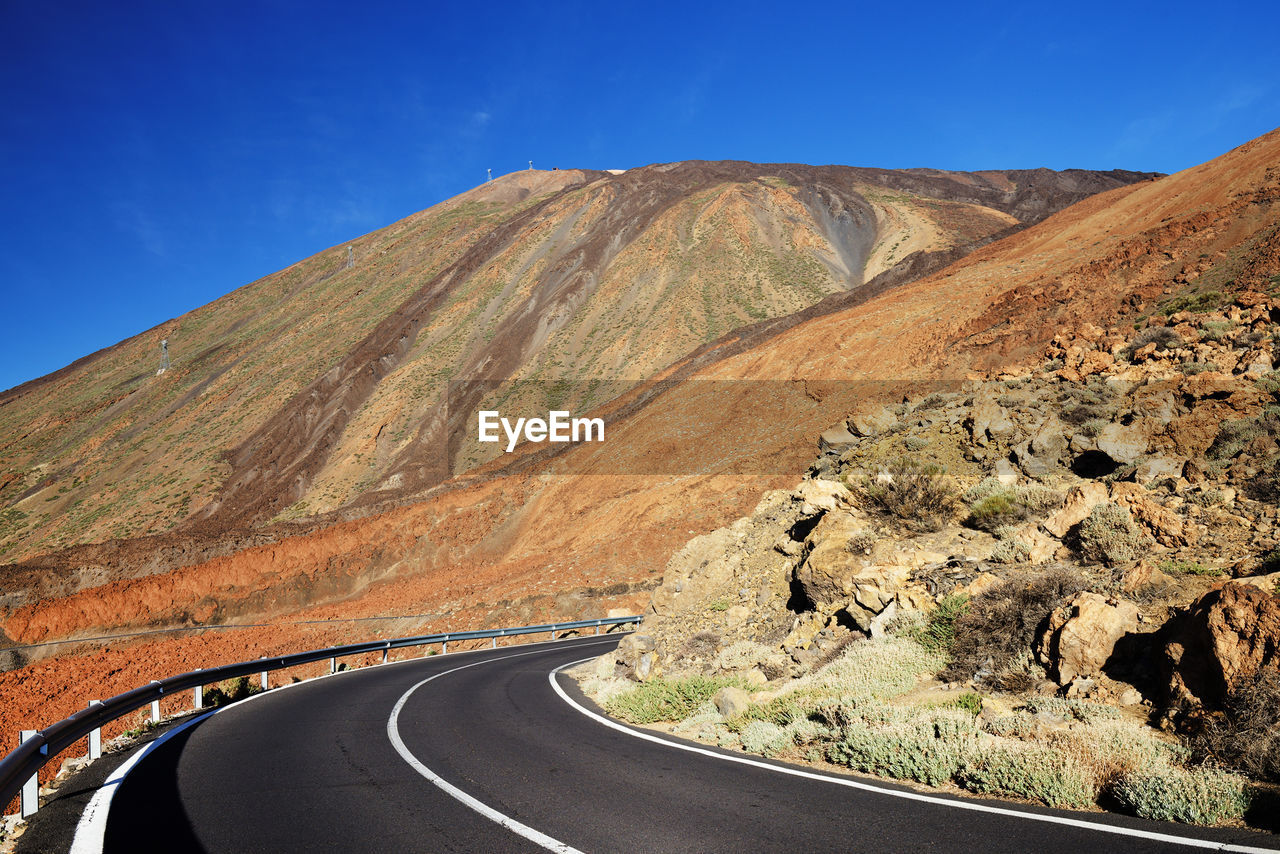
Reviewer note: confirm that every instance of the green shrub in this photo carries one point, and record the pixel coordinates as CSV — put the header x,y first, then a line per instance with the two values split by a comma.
x,y
1028,771
1216,330
1109,535
1196,302
1193,368
1233,436
875,669
1092,427
916,492
765,738
928,749
938,632
231,691
1188,567
1010,551
667,699
996,510
1193,796
970,702
1068,709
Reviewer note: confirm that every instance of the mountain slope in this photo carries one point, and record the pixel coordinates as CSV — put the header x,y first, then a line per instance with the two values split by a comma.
x,y
321,386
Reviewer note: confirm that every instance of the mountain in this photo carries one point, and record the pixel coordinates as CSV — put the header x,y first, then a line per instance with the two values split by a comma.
x,y
322,387
730,404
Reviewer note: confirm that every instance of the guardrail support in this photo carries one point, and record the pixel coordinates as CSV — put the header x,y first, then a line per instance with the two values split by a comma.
x,y
31,788
197,697
65,733
262,680
95,736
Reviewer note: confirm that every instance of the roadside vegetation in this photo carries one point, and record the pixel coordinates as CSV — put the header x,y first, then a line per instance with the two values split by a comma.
x,y
865,711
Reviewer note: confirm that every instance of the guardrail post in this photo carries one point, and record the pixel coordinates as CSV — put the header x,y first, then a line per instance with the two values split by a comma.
x,y
553,632
262,680
30,801
333,665
95,736
597,628
494,645
197,697
385,652
444,648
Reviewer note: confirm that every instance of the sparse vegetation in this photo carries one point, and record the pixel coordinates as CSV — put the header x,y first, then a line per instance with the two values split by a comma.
x,y
667,699
1109,535
1246,734
918,493
992,639
1163,337
1188,567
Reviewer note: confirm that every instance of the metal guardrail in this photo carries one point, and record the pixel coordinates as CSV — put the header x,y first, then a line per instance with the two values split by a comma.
x,y
18,770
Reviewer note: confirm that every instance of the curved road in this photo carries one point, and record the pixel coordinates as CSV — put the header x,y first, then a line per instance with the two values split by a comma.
x,y
315,767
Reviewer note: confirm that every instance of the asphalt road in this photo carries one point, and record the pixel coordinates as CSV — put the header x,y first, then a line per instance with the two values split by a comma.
x,y
313,767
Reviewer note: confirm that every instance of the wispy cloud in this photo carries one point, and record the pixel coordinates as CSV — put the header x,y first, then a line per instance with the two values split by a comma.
x,y
133,219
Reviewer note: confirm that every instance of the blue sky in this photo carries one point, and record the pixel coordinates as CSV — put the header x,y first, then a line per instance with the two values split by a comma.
x,y
155,156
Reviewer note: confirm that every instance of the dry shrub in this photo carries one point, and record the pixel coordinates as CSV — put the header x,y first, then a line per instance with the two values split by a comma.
x,y
916,492
701,645
1246,735
992,639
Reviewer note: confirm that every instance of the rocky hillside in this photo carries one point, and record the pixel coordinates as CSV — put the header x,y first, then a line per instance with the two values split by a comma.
x,y
1098,525
323,386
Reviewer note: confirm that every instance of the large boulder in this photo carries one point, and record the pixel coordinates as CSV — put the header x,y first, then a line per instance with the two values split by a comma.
x,y
988,420
1082,635
1226,635
1165,527
731,701
1080,501
835,577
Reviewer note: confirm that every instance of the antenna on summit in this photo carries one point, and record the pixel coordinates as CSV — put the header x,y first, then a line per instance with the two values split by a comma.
x,y
164,356
530,165
490,171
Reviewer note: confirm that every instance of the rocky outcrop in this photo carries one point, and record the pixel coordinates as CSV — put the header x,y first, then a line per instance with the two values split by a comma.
x,y
1081,636
1224,636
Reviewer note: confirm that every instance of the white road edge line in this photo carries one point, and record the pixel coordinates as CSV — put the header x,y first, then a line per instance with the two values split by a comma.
x,y
91,829
393,733
912,796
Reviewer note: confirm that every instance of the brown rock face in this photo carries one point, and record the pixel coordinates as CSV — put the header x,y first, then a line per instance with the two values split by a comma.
x,y
1226,635
1080,500
1082,635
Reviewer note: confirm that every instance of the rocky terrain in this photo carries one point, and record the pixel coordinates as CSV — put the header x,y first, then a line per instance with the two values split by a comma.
x,y
593,528
1097,526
